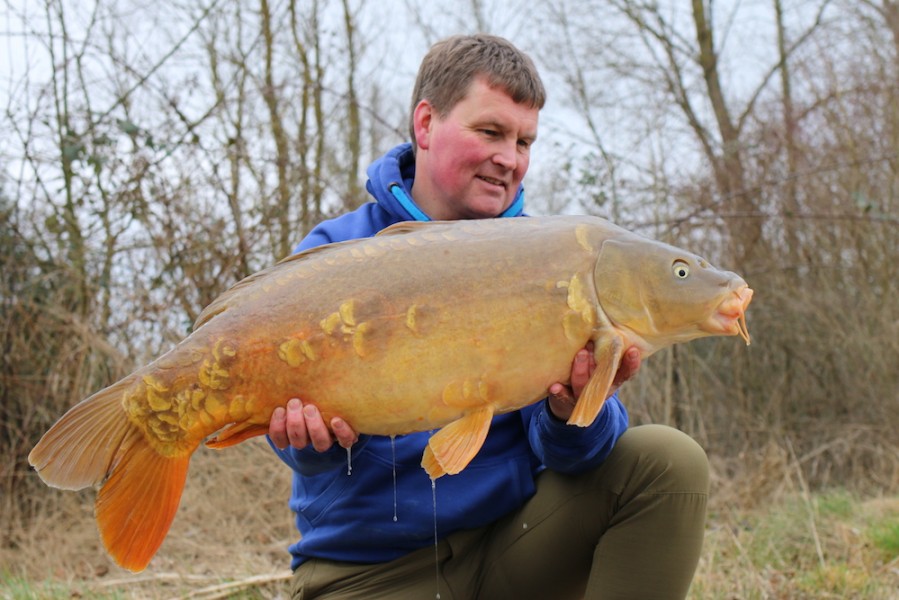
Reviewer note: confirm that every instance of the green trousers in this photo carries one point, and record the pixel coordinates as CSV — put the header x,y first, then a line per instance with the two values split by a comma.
x,y
631,528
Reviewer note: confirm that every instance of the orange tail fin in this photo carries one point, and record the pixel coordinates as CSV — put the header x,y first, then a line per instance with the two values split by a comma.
x,y
94,443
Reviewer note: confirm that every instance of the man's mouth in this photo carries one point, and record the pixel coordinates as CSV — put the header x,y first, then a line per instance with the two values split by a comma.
x,y
492,181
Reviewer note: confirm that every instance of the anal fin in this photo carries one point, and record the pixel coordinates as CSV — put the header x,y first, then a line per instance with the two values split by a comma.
x,y
452,448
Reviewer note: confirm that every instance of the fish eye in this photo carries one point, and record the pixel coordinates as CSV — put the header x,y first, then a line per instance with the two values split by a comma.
x,y
681,269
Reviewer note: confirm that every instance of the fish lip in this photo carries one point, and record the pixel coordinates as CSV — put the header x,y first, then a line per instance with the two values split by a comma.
x,y
730,315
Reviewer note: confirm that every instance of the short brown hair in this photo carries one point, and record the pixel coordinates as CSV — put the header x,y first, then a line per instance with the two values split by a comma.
x,y
449,67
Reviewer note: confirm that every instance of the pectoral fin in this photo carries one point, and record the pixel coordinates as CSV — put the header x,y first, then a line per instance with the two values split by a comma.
x,y
452,448
608,355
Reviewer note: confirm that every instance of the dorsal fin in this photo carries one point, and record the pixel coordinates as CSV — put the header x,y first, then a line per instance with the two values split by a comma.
x,y
409,227
231,296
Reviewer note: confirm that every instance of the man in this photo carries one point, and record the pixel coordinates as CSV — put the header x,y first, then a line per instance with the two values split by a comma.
x,y
545,510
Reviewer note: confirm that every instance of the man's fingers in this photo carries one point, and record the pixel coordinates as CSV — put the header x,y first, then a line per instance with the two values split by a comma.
x,y
630,364
581,370
277,428
295,424
345,435
301,425
319,434
560,392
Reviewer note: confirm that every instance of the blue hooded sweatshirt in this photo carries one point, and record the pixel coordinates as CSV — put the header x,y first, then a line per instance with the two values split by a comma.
x,y
375,503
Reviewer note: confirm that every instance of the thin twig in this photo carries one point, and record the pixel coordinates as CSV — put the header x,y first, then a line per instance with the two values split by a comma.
x,y
741,550
806,497
223,590
151,577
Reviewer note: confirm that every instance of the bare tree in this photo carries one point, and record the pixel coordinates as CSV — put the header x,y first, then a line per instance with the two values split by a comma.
x,y
281,206
310,141
354,125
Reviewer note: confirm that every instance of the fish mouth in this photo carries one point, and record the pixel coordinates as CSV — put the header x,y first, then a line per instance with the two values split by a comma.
x,y
730,316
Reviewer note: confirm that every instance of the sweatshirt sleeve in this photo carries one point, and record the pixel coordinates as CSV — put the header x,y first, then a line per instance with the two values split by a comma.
x,y
572,449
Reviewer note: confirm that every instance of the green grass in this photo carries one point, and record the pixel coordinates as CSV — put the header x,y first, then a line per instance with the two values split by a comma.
x,y
885,535
17,588
830,546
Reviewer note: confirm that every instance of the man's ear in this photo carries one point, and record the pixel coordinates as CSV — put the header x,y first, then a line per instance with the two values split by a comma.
x,y
422,118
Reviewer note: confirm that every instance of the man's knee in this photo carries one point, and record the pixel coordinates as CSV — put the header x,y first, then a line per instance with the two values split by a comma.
x,y
671,459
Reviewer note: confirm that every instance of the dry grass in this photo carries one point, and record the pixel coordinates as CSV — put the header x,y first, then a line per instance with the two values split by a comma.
x,y
825,546
233,526
768,537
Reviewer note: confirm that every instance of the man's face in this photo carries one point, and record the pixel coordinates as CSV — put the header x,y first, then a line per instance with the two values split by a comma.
x,y
471,161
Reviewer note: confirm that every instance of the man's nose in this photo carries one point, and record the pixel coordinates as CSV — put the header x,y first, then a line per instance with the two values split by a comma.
x,y
507,156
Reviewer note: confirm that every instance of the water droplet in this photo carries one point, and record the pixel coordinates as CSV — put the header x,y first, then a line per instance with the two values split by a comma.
x,y
393,456
349,460
436,552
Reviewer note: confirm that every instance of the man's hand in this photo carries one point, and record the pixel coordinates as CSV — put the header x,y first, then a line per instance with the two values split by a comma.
x,y
300,426
563,397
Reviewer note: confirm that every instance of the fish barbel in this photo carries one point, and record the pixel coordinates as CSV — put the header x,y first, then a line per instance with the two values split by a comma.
x,y
424,326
